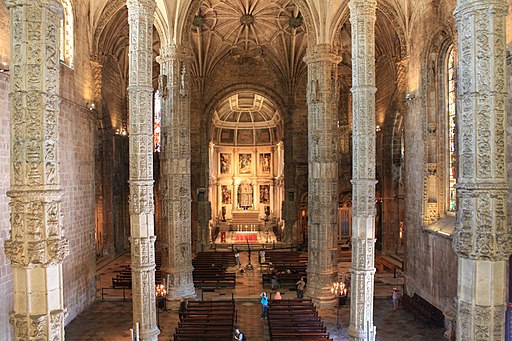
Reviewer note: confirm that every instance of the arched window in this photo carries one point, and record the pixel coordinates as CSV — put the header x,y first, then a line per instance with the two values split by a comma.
x,y
157,122
66,34
441,164
452,143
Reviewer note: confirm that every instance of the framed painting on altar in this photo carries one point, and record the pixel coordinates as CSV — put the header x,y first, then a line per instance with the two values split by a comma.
x,y
265,194
265,163
226,194
225,163
244,163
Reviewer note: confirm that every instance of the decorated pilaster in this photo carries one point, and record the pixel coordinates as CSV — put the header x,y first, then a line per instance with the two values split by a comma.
x,y
142,230
362,18
36,246
482,238
175,173
322,97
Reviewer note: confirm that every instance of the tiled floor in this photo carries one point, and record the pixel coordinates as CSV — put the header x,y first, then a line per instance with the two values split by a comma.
x,y
111,319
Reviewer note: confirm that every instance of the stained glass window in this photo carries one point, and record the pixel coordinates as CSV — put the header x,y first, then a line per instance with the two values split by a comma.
x,y
157,122
451,91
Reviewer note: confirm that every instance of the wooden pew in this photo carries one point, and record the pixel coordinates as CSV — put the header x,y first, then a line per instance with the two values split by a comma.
x,y
294,320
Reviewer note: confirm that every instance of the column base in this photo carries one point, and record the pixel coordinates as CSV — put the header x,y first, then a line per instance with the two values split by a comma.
x,y
318,288
150,335
361,335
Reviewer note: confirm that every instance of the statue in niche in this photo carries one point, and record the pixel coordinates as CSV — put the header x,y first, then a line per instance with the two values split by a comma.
x,y
183,75
245,195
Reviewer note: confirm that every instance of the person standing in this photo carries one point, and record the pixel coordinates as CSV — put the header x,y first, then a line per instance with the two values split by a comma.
x,y
394,296
239,336
262,256
264,305
237,257
300,287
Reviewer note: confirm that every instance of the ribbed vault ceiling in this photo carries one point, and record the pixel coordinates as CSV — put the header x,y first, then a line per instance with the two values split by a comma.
x,y
255,28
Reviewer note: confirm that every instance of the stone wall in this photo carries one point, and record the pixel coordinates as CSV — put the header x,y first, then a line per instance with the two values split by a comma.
x,y
6,278
430,262
77,127
77,180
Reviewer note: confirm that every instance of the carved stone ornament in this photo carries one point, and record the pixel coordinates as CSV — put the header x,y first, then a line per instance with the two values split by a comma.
x,y
481,237
362,18
175,161
141,201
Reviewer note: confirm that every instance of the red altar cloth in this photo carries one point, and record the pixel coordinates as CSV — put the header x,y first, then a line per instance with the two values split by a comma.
x,y
252,237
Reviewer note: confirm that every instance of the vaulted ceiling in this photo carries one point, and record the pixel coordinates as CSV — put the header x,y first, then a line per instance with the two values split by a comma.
x,y
256,28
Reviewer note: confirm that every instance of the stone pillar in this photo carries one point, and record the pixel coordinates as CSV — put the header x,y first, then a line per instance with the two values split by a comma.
x,y
362,18
290,210
204,215
142,229
36,246
482,239
175,174
322,97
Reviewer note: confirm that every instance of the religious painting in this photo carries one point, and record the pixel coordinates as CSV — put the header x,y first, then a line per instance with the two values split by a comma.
x,y
225,163
245,137
265,194
244,163
263,136
226,136
265,163
226,194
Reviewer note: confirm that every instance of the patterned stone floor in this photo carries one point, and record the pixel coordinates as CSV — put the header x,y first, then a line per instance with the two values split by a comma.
x,y
110,319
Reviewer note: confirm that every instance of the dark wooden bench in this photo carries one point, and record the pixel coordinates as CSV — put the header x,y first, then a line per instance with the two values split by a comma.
x,y
288,280
295,319
121,282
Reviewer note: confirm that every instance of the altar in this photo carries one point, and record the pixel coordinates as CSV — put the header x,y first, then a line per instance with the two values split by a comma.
x,y
246,217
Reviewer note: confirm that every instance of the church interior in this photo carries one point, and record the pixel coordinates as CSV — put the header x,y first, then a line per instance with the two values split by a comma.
x,y
364,145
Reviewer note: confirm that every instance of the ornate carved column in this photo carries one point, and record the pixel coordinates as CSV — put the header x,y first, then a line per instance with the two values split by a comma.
x,y
362,18
482,239
142,229
36,246
322,97
290,209
175,173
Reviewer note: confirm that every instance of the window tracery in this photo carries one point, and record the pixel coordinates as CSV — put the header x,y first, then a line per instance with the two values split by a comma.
x,y
451,110
440,168
157,122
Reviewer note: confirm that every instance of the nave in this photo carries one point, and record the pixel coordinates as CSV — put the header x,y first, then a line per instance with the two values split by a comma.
x,y
110,318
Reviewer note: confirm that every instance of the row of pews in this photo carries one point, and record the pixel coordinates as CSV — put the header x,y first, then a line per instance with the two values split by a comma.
x,y
207,320
123,277
295,319
289,266
210,270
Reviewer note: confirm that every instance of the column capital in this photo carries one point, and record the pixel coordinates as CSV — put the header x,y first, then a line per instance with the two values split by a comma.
x,y
499,7
362,7
148,5
173,52
51,4
322,52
